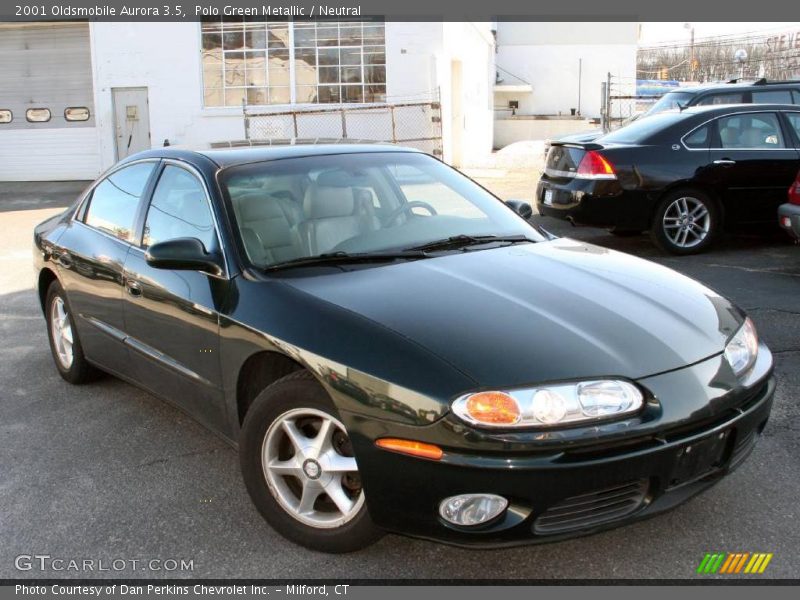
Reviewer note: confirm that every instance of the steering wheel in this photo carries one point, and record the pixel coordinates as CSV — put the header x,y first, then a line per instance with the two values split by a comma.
x,y
407,208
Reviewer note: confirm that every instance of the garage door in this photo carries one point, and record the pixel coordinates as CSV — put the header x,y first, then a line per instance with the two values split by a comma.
x,y
47,124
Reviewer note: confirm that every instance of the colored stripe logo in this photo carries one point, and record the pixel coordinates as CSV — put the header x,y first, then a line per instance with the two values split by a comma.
x,y
733,563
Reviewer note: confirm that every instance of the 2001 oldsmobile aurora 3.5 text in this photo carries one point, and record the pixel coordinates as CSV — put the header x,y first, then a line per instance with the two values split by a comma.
x,y
393,348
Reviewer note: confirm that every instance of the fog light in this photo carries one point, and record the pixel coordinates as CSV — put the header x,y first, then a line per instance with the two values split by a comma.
x,y
472,509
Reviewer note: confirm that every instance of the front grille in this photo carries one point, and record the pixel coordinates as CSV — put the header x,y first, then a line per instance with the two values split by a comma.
x,y
591,509
741,450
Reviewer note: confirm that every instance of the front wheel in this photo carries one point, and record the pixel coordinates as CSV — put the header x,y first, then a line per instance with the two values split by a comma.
x,y
686,222
298,466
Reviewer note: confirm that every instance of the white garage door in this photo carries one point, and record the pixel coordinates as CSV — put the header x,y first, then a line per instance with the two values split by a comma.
x,y
47,125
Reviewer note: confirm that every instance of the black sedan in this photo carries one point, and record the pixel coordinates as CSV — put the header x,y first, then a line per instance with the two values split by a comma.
x,y
393,348
682,175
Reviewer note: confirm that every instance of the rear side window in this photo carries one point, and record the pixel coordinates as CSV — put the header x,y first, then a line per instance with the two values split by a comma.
x,y
773,97
750,131
179,209
727,98
699,139
114,201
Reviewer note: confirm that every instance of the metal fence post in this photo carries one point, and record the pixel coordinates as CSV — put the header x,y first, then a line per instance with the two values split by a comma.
x,y
246,119
344,124
394,126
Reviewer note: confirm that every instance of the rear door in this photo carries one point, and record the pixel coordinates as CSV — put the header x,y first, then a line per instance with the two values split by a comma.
x,y
753,162
91,255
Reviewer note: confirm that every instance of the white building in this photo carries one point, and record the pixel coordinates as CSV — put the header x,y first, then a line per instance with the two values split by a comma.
x,y
76,97
551,69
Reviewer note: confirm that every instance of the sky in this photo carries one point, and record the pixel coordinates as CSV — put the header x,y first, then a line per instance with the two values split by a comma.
x,y
655,33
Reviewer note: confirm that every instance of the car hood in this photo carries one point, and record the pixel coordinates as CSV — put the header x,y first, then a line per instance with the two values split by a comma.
x,y
527,313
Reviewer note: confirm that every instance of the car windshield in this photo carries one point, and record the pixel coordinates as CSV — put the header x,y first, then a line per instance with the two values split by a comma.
x,y
670,101
364,204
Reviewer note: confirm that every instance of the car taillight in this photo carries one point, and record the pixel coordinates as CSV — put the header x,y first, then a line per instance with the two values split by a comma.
x,y
594,165
794,191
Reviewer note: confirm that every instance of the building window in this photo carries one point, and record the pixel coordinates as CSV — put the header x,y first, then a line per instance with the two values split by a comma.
x,y
76,113
6,116
285,62
37,115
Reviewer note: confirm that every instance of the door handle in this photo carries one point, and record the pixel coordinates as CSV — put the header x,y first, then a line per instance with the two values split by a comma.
x,y
133,287
64,260
725,162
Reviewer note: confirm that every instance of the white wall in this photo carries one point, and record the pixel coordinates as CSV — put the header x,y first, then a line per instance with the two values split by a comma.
x,y
165,58
472,44
418,57
546,55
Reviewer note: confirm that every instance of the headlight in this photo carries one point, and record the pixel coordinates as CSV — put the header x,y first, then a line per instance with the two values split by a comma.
x,y
550,405
742,350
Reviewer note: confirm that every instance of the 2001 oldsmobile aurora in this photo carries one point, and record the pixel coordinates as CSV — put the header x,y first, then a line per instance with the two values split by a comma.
x,y
393,348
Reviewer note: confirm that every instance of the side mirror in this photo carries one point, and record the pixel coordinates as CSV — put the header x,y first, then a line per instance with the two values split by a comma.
x,y
182,254
522,208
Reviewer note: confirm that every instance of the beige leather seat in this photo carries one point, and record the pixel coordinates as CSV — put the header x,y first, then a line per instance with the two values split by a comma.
x,y
269,228
334,212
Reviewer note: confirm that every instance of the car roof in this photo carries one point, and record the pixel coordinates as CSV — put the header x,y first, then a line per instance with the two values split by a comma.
x,y
714,109
227,157
721,86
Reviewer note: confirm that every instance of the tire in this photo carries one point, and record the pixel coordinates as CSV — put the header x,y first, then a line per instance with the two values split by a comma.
x,y
686,221
68,357
299,400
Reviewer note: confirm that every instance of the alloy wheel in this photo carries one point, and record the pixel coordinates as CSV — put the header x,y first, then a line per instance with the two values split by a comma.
x,y
686,222
310,469
61,330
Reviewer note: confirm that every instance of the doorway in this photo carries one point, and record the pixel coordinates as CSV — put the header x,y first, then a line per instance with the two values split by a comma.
x,y
131,120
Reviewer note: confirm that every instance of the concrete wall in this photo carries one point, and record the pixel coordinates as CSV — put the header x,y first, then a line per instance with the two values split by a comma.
x,y
546,55
508,131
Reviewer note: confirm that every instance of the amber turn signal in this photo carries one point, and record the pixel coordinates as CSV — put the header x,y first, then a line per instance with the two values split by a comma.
x,y
410,447
495,408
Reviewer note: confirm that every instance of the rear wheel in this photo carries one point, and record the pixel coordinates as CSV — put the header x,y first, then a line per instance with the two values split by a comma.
x,y
64,343
299,468
686,222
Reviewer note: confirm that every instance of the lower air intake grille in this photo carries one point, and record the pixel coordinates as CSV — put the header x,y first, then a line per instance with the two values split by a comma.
x,y
741,450
594,508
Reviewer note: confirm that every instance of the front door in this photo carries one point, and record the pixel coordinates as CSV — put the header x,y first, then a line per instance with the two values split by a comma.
x,y
172,316
131,120
753,163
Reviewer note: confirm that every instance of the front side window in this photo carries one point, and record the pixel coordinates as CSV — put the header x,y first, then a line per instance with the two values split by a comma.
x,y
179,209
794,121
115,200
773,97
750,131
286,62
358,203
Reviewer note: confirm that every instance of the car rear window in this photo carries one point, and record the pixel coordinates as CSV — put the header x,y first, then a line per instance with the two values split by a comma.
x,y
643,129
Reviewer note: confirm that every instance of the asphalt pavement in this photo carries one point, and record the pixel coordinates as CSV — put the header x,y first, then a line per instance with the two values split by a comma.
x,y
107,472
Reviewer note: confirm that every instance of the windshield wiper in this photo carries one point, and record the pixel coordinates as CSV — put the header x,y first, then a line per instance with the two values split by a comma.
x,y
345,257
462,241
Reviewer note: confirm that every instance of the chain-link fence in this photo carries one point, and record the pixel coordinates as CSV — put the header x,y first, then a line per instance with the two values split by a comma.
x,y
414,124
620,102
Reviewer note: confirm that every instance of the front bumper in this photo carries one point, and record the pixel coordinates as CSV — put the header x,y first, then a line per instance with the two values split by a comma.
x,y
792,213
565,486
